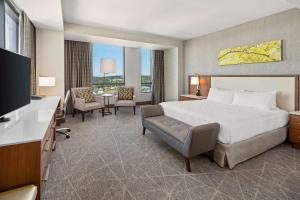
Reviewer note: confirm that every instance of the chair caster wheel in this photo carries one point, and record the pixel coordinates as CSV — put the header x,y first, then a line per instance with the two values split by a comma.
x,y
67,136
68,130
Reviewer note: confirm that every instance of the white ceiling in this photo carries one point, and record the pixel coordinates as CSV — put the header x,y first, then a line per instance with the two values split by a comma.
x,y
182,19
46,14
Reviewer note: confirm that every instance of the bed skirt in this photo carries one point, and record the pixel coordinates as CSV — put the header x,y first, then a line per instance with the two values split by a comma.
x,y
233,154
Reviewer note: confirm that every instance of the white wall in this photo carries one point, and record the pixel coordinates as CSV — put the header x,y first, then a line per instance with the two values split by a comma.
x,y
50,60
133,73
171,74
91,32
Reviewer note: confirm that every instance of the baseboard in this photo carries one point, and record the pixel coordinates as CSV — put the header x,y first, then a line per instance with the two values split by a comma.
x,y
143,103
137,103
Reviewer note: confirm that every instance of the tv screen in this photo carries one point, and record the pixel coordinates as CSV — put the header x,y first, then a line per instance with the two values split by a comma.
x,y
15,72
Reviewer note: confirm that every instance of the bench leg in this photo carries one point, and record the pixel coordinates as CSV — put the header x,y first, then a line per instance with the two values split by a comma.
x,y
188,164
144,130
211,156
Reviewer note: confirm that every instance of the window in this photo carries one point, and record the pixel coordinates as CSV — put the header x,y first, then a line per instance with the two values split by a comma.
x,y
146,71
111,81
11,28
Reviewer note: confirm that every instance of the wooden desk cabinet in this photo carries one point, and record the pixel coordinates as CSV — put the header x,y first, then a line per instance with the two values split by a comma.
x,y
27,162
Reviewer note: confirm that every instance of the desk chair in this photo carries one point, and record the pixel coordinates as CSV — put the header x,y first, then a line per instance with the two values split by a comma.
x,y
61,117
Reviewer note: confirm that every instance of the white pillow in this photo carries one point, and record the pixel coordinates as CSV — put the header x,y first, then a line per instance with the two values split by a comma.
x,y
220,95
260,100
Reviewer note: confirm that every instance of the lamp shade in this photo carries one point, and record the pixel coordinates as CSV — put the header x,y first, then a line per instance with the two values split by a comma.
x,y
194,80
107,65
46,81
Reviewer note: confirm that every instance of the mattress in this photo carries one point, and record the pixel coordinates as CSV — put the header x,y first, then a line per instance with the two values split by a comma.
x,y
237,123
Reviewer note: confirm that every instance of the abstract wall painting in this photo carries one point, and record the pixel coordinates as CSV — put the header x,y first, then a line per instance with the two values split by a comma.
x,y
268,51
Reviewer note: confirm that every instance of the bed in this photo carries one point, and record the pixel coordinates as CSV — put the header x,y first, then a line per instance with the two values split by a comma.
x,y
244,131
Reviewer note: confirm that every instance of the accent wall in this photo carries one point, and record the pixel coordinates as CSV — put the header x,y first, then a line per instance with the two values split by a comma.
x,y
201,53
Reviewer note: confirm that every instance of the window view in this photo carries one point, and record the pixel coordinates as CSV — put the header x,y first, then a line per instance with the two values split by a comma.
x,y
11,29
111,80
146,70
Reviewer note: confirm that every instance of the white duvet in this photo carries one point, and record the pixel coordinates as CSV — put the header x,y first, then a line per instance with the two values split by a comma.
x,y
237,123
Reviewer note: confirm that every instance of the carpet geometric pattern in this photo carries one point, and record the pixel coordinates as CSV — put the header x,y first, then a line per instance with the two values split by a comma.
x,y
109,158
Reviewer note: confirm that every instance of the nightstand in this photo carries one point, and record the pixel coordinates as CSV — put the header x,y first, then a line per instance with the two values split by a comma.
x,y
188,97
294,129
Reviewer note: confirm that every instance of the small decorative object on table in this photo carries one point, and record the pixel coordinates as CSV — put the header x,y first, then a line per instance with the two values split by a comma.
x,y
188,97
294,129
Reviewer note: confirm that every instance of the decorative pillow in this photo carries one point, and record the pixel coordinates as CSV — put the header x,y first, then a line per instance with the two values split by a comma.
x,y
86,94
220,95
260,100
125,93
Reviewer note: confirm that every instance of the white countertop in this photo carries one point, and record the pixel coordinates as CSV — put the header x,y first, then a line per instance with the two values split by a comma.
x,y
29,123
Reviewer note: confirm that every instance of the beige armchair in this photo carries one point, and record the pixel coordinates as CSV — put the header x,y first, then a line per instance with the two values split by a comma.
x,y
125,98
80,104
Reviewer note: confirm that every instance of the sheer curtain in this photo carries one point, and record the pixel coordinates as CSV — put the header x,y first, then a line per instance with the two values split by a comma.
x,y
158,90
78,66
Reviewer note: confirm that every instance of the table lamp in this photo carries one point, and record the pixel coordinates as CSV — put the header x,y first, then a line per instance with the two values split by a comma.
x,y
46,81
195,81
107,65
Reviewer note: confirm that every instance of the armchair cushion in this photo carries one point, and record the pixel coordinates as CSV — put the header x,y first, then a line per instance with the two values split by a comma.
x,y
86,94
125,93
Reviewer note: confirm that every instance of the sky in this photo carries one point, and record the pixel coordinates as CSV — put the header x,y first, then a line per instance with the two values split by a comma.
x,y
116,52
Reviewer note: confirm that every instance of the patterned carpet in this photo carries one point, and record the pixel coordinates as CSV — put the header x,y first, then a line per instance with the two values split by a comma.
x,y
108,158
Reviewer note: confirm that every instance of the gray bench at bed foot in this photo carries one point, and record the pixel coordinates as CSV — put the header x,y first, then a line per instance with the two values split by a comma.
x,y
187,140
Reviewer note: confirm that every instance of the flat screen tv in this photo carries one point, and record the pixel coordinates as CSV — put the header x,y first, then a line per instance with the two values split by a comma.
x,y
15,72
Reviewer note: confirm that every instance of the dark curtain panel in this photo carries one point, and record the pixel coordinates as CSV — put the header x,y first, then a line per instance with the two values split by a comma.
x,y
78,66
27,38
158,88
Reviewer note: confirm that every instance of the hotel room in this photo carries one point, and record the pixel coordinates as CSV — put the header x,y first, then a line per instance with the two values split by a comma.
x,y
161,99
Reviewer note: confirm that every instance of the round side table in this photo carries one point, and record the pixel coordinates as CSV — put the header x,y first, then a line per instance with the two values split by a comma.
x,y
108,110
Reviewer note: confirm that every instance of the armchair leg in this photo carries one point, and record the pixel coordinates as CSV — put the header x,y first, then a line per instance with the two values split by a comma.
x,y
144,130
92,111
74,112
188,164
102,110
133,109
82,115
116,110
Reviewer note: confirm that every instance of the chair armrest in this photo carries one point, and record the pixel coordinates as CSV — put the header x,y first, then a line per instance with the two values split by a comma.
x,y
201,139
151,111
134,98
79,103
116,98
99,99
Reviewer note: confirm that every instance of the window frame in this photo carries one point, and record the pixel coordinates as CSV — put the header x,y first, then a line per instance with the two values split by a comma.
x,y
118,84
15,11
151,74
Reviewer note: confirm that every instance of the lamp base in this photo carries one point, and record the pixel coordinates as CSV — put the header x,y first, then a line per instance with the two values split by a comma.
x,y
198,93
4,119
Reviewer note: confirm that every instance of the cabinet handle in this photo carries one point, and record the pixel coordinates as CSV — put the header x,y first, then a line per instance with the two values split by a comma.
x,y
48,146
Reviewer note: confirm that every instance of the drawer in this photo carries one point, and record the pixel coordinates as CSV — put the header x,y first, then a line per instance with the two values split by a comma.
x,y
294,135
294,122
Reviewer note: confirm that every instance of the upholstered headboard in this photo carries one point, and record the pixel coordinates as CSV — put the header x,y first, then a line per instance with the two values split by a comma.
x,y
287,87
